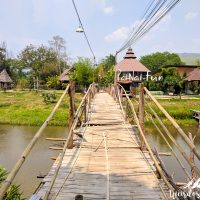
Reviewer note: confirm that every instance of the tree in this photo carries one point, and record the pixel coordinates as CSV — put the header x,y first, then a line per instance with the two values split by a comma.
x,y
83,73
198,62
158,60
171,81
105,71
3,57
41,60
58,44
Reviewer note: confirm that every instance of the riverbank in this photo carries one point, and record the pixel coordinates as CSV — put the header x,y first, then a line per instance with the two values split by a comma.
x,y
179,109
29,108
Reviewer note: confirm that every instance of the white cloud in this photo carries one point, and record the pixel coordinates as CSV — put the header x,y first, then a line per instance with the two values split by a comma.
x,y
119,34
102,4
191,15
108,10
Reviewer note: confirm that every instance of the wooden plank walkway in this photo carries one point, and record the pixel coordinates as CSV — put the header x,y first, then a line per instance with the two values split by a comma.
x,y
108,163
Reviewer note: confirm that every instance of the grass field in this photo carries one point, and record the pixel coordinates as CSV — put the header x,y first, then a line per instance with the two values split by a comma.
x,y
28,108
180,109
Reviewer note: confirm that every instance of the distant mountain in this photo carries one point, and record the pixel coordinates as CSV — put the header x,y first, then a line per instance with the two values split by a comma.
x,y
190,58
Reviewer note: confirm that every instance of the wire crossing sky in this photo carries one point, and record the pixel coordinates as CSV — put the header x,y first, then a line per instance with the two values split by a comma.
x,y
108,24
86,37
156,10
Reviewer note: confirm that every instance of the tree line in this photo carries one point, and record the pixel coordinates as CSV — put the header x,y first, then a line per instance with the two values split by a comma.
x,y
41,66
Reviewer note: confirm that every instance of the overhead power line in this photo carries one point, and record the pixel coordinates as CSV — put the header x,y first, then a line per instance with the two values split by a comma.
x,y
86,37
155,11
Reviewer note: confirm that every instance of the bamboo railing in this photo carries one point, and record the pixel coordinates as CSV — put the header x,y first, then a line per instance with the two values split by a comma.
x,y
84,107
120,95
74,118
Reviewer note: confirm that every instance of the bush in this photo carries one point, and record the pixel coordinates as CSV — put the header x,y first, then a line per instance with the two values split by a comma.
x,y
49,97
53,82
13,193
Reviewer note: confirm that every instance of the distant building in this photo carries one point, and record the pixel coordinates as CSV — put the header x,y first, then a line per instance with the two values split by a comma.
x,y
183,70
5,80
193,82
130,72
64,77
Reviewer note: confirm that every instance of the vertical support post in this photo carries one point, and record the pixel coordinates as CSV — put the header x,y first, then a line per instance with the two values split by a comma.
x,y
191,157
85,109
71,93
141,112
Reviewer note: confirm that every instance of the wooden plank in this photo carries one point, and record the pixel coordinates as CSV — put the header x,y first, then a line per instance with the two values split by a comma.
x,y
131,172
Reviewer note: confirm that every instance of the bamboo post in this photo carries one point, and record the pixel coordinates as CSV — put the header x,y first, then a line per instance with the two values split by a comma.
x,y
71,93
141,112
191,157
19,163
85,110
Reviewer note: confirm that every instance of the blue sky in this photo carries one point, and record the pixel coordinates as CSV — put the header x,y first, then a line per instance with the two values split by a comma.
x,y
107,23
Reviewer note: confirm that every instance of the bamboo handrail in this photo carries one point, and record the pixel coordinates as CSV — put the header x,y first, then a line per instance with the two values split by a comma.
x,y
146,142
6,184
170,147
173,140
179,129
77,114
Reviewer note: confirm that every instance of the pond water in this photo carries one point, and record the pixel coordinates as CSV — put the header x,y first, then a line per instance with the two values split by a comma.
x,y
13,140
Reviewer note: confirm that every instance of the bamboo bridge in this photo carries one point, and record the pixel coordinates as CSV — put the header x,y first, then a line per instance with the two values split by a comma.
x,y
106,154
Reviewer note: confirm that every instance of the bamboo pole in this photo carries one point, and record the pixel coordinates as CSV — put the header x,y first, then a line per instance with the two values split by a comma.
x,y
141,112
146,142
77,114
179,129
173,140
26,152
71,92
147,145
170,147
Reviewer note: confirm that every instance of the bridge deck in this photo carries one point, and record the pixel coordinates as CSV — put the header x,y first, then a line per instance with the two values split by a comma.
x,y
108,163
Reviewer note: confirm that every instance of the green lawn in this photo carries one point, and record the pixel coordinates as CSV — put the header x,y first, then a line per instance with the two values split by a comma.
x,y
28,108
180,109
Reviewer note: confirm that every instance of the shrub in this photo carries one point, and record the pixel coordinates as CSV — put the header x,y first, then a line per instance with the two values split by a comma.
x,y
49,97
14,191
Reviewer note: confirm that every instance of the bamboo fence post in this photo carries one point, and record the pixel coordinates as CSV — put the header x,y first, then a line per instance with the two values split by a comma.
x,y
71,93
26,152
141,112
191,157
179,129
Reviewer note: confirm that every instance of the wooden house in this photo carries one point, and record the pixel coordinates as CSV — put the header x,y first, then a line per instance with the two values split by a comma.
x,y
64,77
5,80
130,72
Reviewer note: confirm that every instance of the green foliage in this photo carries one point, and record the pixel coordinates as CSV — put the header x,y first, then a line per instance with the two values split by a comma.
x,y
198,62
22,83
83,73
105,71
49,97
158,60
42,60
53,82
13,192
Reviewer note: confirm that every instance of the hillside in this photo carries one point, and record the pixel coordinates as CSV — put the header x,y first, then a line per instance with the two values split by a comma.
x,y
190,58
